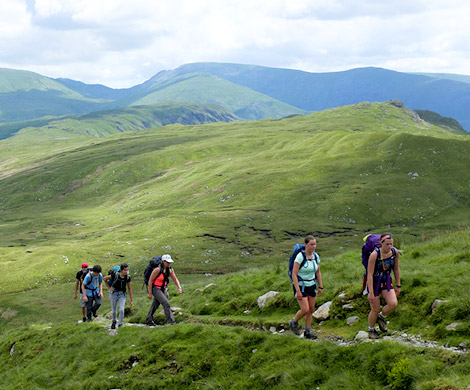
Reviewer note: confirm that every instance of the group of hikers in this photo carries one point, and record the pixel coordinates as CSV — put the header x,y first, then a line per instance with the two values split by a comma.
x,y
380,260
89,281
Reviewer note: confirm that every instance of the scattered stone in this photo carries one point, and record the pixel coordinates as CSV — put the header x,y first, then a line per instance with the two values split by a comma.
x,y
323,312
348,306
352,320
361,335
272,329
453,326
263,299
247,312
437,303
12,349
342,296
254,350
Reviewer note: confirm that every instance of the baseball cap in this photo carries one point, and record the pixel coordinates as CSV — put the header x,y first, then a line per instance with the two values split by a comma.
x,y
167,258
84,265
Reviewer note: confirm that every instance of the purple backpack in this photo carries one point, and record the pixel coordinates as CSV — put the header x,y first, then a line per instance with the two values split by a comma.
x,y
371,243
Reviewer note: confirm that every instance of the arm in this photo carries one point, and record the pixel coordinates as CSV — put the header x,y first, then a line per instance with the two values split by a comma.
x,y
130,293
101,285
175,279
396,273
153,276
295,271
370,275
105,280
320,282
76,289
85,298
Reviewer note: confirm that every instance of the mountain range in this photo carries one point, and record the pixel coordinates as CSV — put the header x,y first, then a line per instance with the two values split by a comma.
x,y
247,92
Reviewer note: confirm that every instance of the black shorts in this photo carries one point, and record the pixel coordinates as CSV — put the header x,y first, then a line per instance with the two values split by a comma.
x,y
309,291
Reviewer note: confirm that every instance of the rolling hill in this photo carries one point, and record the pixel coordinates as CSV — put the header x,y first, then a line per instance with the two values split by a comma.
x,y
228,201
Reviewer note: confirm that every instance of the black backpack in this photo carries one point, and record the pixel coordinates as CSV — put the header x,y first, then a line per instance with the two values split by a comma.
x,y
154,262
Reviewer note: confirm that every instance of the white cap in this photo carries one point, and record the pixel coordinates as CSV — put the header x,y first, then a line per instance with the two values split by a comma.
x,y
167,258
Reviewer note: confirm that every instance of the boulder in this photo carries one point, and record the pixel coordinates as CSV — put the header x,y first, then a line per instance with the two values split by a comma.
x,y
343,296
263,299
323,312
352,320
453,326
362,335
437,303
347,306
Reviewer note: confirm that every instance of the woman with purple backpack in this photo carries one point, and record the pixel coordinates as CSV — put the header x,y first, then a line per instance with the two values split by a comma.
x,y
382,261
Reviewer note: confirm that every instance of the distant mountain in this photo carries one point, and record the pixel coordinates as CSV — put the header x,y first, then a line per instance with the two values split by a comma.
x,y
27,95
319,91
247,91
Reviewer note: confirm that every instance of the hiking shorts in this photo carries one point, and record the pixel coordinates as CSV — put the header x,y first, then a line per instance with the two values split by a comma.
x,y
82,302
309,291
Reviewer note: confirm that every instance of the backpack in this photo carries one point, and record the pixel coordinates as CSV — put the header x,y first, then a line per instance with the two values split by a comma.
x,y
154,262
113,273
371,243
82,278
299,248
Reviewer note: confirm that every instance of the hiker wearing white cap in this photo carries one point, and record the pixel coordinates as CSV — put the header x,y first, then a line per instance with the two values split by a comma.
x,y
157,286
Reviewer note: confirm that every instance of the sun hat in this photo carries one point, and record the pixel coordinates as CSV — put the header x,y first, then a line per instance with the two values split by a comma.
x,y
167,258
84,265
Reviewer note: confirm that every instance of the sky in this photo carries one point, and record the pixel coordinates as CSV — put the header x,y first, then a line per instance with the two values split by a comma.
x,y
122,43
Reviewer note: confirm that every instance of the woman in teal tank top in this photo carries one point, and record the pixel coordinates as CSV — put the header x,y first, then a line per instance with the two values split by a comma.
x,y
307,267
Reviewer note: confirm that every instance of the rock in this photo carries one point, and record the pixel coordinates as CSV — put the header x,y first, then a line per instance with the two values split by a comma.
x,y
323,312
463,345
437,303
347,306
453,326
361,335
12,349
263,299
342,296
352,320
272,329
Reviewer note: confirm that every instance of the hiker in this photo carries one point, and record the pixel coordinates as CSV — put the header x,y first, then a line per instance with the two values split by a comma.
x,y
157,287
92,289
382,261
78,284
308,269
117,292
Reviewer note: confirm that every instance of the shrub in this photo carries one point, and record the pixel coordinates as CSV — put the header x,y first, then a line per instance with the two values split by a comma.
x,y
400,377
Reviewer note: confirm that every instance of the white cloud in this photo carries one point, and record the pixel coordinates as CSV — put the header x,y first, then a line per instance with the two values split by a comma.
x,y
122,43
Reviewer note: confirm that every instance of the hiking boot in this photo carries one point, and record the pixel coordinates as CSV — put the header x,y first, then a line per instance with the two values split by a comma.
x,y
84,319
382,324
113,325
94,314
120,325
294,326
310,335
373,334
150,323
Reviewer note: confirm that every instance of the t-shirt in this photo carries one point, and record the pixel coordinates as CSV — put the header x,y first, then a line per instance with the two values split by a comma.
x,y
119,283
92,287
307,272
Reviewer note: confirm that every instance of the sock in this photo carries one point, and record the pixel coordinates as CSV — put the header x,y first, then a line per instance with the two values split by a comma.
x,y
295,323
372,328
307,330
382,316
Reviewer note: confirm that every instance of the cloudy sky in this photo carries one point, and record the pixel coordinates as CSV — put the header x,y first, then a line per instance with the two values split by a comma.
x,y
121,43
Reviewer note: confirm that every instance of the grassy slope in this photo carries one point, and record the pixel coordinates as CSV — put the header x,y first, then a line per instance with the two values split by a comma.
x,y
205,88
228,197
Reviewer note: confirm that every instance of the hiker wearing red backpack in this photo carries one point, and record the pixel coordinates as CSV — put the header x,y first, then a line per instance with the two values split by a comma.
x,y
382,261
157,287
306,278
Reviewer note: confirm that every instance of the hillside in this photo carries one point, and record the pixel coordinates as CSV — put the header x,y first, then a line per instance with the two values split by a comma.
x,y
208,89
228,191
228,201
27,95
